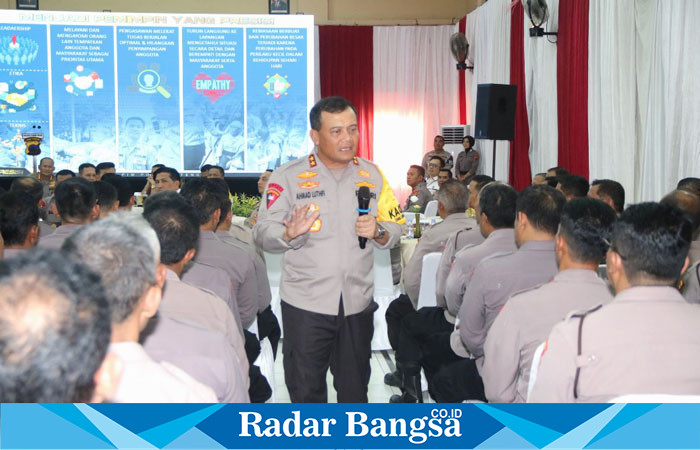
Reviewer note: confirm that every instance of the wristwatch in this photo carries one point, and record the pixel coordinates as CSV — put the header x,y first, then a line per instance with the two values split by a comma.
x,y
380,232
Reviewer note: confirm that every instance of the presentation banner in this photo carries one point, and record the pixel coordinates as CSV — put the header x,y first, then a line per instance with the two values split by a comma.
x,y
333,426
141,89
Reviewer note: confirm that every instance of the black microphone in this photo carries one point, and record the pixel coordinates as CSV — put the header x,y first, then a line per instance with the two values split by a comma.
x,y
363,209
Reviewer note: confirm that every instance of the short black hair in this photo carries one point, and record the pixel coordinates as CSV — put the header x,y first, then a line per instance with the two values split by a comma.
x,y
481,181
449,172
497,201
586,226
558,171
471,140
613,190
175,222
420,169
574,185
53,359
442,162
201,194
174,174
542,205
223,172
106,194
75,199
44,159
157,166
84,166
205,168
64,172
690,184
332,105
124,189
269,170
688,203
104,165
653,241
551,181
18,213
220,189
30,185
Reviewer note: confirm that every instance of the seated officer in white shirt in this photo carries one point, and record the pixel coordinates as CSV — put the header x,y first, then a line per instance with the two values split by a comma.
x,y
431,181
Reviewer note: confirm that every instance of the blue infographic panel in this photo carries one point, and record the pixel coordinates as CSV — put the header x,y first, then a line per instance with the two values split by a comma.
x,y
213,100
149,97
82,77
24,89
277,96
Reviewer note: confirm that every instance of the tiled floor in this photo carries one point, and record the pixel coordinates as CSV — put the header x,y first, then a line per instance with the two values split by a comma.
x,y
378,391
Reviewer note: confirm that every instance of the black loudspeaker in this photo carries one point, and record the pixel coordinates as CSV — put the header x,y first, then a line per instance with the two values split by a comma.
x,y
495,112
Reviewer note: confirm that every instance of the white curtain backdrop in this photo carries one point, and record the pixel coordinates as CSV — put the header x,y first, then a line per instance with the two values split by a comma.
x,y
488,33
415,92
612,92
541,92
317,67
670,136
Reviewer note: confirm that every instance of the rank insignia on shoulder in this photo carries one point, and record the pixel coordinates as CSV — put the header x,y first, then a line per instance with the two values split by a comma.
x,y
305,175
365,184
363,173
309,184
312,161
355,161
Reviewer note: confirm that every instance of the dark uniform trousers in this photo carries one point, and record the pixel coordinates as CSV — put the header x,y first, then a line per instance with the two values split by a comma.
x,y
416,335
269,327
399,308
259,390
313,342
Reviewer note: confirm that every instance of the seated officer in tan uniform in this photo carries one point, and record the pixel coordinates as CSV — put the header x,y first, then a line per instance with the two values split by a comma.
x,y
646,340
527,318
19,222
420,195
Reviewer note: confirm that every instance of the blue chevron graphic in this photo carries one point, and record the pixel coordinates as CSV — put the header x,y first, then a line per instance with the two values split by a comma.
x,y
122,437
582,435
71,413
164,434
570,415
534,433
630,412
194,438
506,438
139,417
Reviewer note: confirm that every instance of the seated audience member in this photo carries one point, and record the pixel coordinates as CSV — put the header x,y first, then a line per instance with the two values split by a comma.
x,y
103,169
216,172
177,227
127,263
556,172
262,185
690,184
573,186
58,356
76,204
125,193
33,187
439,151
167,179
19,222
527,318
268,325
443,176
645,341
540,178
431,182
150,185
204,171
495,279
420,195
610,192
63,175
87,171
467,161
107,198
201,194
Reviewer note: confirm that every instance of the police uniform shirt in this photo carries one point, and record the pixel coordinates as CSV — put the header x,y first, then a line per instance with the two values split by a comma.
x,y
495,279
433,240
467,162
690,286
185,302
418,199
251,220
55,240
238,266
12,252
210,278
264,292
694,252
321,265
467,236
203,353
442,154
144,380
525,322
466,260
645,341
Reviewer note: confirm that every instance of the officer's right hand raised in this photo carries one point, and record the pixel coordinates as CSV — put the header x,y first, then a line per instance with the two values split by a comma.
x,y
300,222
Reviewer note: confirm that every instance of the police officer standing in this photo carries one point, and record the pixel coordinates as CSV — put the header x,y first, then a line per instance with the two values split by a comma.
x,y
311,214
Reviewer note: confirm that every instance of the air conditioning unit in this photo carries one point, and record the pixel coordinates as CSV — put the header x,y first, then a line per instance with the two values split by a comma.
x,y
453,135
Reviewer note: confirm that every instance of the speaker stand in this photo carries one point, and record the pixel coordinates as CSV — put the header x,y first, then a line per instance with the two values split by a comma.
x,y
493,164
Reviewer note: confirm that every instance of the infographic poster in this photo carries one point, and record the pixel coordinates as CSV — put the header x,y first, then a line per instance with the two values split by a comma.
x,y
213,98
24,89
82,77
276,92
149,97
